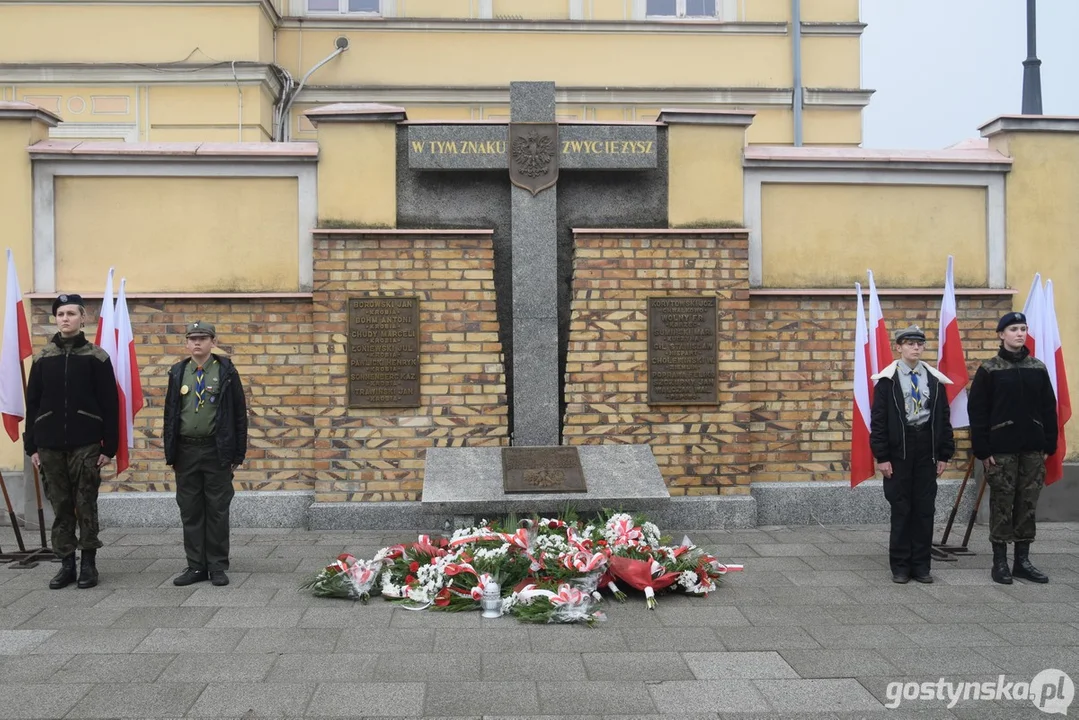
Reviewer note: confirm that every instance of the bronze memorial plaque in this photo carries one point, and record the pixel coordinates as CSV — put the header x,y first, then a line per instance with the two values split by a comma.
x,y
542,470
533,155
682,351
383,351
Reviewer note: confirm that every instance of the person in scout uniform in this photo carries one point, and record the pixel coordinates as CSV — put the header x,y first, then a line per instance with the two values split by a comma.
x,y
72,430
911,438
205,441
1013,428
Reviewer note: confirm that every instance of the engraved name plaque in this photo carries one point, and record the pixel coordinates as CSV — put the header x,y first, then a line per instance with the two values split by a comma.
x,y
383,351
682,351
542,470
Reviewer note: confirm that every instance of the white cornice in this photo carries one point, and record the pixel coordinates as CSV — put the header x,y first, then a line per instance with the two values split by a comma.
x,y
834,29
139,74
338,22
1030,123
564,95
837,97
268,7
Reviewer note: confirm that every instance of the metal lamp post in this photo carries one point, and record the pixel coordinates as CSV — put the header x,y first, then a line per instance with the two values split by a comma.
x,y
1032,77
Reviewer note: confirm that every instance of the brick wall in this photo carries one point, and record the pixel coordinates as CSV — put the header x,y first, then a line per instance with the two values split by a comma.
x,y
378,454
269,339
699,449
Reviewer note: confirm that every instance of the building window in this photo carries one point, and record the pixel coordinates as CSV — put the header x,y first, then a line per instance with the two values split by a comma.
x,y
681,8
356,7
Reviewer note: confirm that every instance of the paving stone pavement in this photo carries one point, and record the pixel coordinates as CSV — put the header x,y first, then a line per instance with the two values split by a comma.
x,y
814,628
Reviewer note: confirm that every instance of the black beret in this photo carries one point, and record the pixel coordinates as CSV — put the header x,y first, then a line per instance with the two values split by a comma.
x,y
62,300
1012,318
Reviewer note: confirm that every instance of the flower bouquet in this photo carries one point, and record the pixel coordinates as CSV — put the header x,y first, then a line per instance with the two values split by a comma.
x,y
345,577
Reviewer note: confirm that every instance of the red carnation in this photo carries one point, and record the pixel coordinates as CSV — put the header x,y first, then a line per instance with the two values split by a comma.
x,y
409,579
413,566
553,524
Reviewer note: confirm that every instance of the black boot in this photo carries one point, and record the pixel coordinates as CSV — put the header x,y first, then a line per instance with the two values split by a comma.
x,y
88,569
1022,567
1000,564
66,576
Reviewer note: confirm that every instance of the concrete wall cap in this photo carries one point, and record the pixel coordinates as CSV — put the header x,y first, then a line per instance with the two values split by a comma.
x,y
356,113
694,116
765,155
19,110
54,148
1030,123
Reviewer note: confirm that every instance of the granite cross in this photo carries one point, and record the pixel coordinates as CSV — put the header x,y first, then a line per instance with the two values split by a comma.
x,y
533,148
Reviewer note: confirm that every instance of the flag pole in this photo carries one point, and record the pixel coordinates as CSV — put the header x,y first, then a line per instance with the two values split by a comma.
x,y
11,515
37,482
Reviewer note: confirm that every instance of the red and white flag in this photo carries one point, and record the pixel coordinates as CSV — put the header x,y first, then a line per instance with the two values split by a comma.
x,y
880,345
1054,363
106,324
127,380
1034,309
861,456
16,348
950,359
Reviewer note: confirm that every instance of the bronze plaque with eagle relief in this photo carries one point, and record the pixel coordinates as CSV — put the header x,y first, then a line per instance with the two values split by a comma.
x,y
533,155
542,470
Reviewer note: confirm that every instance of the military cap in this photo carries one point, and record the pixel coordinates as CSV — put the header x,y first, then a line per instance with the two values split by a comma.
x,y
1012,318
200,328
911,333
70,299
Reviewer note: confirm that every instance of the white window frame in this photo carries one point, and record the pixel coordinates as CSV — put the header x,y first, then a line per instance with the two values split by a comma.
x,y
726,10
342,9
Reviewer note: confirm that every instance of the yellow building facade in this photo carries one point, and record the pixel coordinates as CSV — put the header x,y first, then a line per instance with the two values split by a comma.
x,y
248,70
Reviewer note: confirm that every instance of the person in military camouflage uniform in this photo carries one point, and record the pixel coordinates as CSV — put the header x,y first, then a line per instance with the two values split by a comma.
x,y
205,441
1013,428
72,430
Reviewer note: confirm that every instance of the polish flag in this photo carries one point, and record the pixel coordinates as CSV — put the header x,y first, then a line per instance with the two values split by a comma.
x,y
16,348
950,360
127,380
880,348
861,456
1034,309
106,324
1054,363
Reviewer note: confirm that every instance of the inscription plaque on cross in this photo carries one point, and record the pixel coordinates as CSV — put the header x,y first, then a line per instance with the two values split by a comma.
x,y
533,147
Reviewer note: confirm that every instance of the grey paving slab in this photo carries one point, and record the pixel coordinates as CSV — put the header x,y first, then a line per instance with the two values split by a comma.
x,y
608,697
288,640
701,696
57,618
391,666
481,698
888,593
758,564
837,663
336,615
402,618
938,660
988,711
1028,634
26,700
118,668
265,618
323,667
952,635
163,537
847,562
1031,660
137,700
960,576
960,613
164,617
30,668
799,535
260,700
190,640
811,595
568,638
886,690
264,579
786,616
826,578
765,638
11,618
800,695
767,549
870,548
73,641
276,566
157,597
69,597
676,638
860,636
873,614
510,666
967,595
229,597
220,667
758,578
123,581
1026,591
358,640
780,716
701,613
630,666
500,640
738,665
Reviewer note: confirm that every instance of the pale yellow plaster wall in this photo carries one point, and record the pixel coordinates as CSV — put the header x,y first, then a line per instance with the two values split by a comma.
x,y
100,104
828,10
357,173
1043,232
768,11
705,174
168,234
706,60
771,126
532,9
123,32
16,209
828,235
831,126
831,62
435,8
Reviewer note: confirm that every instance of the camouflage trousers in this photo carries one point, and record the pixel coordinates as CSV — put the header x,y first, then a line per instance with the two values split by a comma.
x,y
72,479
1015,483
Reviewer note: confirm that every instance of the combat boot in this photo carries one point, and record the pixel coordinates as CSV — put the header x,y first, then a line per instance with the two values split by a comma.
x,y
1000,564
66,576
88,569
1022,567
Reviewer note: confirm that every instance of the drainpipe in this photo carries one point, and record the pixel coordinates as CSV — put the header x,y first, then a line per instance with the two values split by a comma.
x,y
342,45
796,42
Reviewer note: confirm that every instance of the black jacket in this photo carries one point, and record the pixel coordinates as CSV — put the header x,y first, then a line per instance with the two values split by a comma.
x,y
887,436
230,422
1012,406
71,398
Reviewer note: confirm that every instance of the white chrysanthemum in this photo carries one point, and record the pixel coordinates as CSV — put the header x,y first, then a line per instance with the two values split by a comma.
x,y
687,579
552,544
651,534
